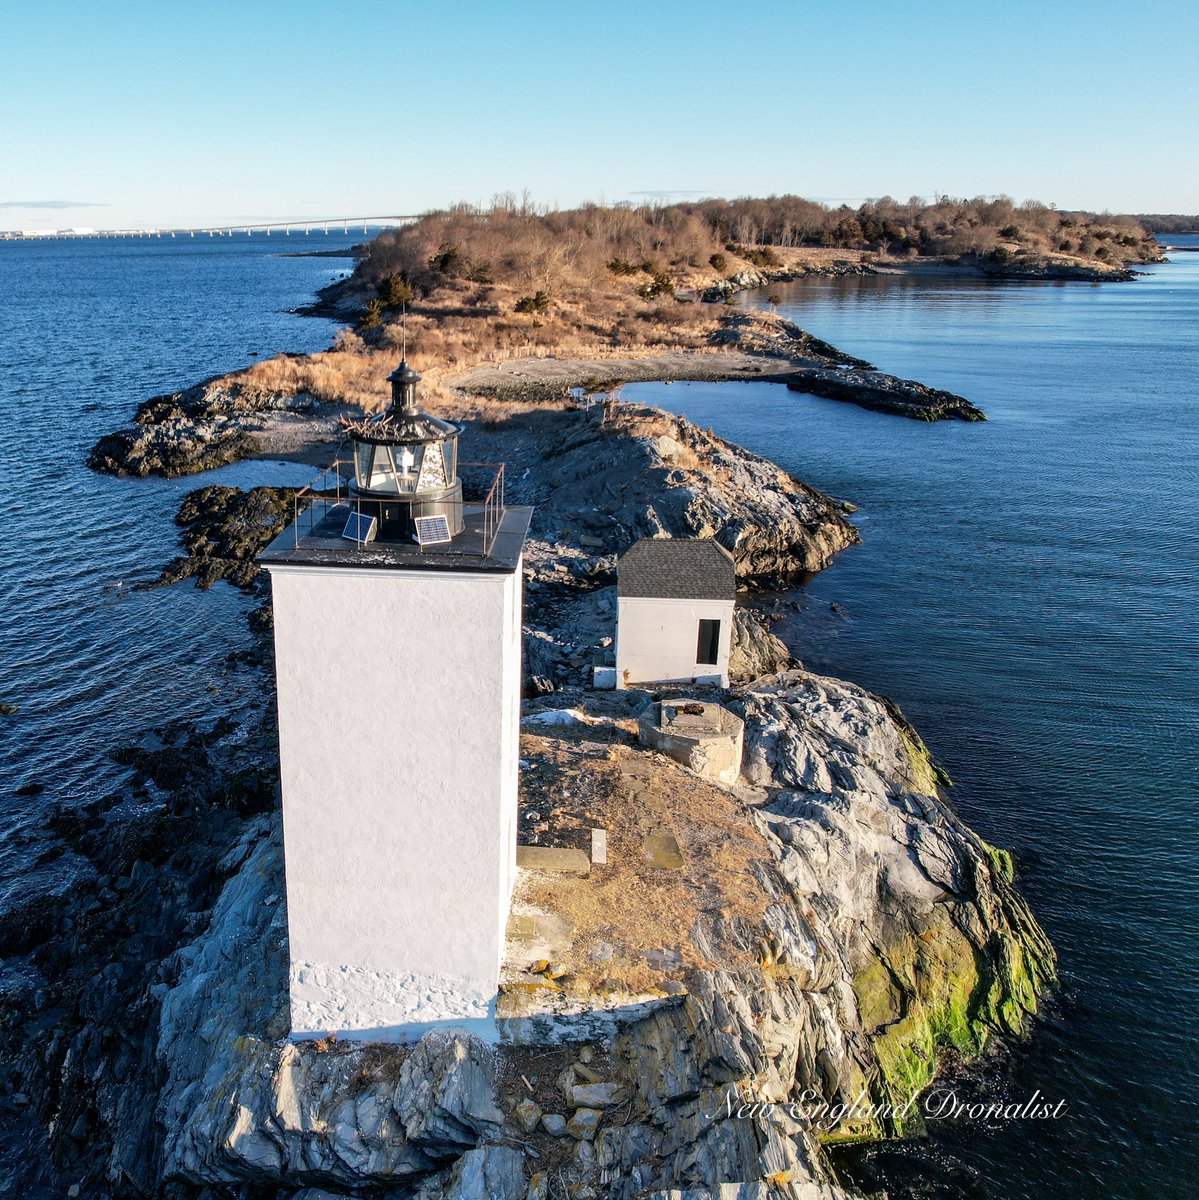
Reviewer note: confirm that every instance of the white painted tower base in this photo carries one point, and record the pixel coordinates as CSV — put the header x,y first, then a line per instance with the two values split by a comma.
x,y
399,720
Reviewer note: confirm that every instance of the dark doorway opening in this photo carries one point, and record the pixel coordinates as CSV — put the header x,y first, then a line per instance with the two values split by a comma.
x,y
709,642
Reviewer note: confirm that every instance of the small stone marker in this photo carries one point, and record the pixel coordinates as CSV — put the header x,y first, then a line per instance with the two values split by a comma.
x,y
662,850
599,847
522,928
553,858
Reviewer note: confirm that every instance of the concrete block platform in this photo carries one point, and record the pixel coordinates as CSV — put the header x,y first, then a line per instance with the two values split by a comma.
x,y
703,736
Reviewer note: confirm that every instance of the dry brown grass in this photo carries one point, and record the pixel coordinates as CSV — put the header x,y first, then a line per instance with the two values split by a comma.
x,y
469,270
464,326
347,373
634,907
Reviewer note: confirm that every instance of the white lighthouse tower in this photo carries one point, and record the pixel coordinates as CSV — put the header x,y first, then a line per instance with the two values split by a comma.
x,y
397,646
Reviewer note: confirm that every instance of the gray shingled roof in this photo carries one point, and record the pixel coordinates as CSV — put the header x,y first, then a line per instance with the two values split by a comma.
x,y
677,569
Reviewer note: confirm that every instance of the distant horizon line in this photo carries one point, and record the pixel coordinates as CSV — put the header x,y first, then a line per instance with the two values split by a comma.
x,y
321,225
648,198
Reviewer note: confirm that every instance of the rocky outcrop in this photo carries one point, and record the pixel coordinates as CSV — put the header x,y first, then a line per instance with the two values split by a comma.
x,y
891,933
895,934
939,948
622,472
768,334
224,529
1037,266
240,1104
757,347
172,449
755,650
886,393
205,426
760,277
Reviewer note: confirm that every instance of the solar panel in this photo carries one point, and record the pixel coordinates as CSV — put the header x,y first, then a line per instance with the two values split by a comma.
x,y
359,528
432,531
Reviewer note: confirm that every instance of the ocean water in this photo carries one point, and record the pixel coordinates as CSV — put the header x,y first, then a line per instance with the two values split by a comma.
x,y
1027,591
89,329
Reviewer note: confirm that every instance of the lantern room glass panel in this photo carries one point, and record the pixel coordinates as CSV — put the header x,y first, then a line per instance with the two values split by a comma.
x,y
382,471
432,470
362,463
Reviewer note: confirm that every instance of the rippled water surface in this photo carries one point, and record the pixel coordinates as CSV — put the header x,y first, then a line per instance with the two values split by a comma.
x,y
89,329
1026,589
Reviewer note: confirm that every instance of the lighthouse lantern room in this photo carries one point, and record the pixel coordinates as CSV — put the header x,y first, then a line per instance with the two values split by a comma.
x,y
405,463
398,669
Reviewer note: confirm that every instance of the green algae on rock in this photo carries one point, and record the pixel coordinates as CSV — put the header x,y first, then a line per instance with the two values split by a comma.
x,y
942,952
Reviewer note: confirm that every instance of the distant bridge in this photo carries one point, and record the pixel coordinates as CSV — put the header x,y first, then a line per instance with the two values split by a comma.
x,y
322,225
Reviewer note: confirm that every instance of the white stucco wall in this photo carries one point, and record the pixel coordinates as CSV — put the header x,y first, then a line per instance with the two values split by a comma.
x,y
399,702
656,640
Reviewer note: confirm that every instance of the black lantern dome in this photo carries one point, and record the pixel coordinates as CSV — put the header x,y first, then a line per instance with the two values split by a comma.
x,y
406,463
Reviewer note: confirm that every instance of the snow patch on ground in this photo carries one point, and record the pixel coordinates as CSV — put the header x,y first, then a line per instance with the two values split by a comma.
x,y
562,716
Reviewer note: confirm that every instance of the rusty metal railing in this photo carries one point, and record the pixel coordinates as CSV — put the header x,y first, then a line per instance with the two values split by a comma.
x,y
312,503
493,503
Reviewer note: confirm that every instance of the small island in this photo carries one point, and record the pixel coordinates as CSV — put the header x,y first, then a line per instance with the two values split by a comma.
x,y
788,968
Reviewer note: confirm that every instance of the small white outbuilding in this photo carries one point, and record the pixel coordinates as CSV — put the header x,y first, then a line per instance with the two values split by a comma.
x,y
674,621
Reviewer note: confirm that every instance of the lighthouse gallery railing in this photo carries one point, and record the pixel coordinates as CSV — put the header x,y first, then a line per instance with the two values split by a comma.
x,y
330,489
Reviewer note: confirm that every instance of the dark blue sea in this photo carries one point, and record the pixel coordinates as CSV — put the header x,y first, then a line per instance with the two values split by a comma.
x,y
89,329
1025,590
1028,591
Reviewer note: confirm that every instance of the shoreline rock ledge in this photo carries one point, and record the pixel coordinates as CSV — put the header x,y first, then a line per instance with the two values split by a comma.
x,y
892,934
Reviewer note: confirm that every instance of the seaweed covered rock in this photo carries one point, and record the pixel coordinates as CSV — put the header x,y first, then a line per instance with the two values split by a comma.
x,y
940,949
224,530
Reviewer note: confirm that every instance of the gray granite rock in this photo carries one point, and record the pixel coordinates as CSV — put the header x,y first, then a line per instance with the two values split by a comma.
x,y
878,902
446,1096
755,651
487,1173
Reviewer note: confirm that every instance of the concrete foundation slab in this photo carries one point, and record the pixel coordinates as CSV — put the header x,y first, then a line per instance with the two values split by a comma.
x,y
553,858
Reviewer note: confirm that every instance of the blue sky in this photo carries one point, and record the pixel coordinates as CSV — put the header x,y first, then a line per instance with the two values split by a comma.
x,y
172,113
